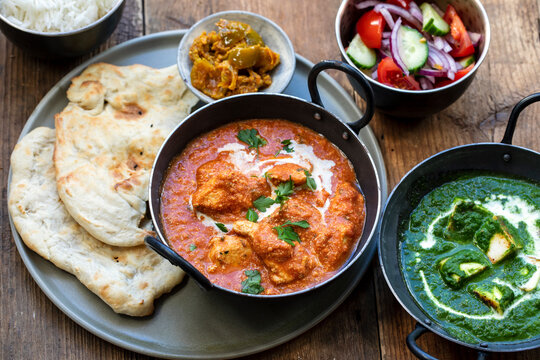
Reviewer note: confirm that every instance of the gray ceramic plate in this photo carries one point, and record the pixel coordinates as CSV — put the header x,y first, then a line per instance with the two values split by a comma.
x,y
190,323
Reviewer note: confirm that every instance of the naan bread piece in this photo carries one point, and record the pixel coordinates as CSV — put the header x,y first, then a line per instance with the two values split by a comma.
x,y
107,139
126,278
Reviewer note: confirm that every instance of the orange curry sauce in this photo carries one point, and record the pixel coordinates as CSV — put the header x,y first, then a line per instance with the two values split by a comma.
x,y
204,186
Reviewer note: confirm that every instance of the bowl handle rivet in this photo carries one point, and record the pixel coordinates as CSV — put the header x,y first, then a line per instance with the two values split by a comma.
x,y
317,116
345,136
428,322
507,157
484,345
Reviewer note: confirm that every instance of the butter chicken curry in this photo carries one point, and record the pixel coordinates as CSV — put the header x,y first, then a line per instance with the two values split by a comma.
x,y
262,206
233,60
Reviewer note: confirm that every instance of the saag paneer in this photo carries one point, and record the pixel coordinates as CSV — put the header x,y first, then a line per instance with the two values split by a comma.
x,y
470,254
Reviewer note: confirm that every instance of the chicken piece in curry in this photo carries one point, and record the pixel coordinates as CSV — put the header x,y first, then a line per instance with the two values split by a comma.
x,y
233,60
238,202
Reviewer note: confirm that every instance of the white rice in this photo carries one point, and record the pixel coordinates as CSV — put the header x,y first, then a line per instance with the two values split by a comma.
x,y
54,15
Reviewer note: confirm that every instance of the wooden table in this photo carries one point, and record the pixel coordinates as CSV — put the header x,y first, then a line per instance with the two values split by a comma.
x,y
370,324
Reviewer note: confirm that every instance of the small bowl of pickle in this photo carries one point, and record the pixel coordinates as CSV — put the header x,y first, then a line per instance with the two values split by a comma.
x,y
235,52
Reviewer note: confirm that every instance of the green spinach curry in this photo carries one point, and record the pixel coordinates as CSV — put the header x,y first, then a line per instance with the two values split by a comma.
x,y
470,255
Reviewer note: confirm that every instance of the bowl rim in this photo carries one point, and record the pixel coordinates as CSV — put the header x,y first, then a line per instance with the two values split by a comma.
x,y
487,41
181,59
116,6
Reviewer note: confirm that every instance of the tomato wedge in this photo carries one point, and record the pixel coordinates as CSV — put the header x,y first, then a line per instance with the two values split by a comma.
x,y
390,74
370,28
459,74
462,42
403,3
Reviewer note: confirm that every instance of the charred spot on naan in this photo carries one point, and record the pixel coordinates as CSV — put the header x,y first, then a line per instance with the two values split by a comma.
x,y
130,111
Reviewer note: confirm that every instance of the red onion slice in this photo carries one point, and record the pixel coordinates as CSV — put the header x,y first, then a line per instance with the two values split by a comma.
x,y
424,83
374,75
366,4
432,72
441,44
387,17
400,12
386,34
448,37
394,48
385,43
451,62
475,38
415,11
438,42
436,60
430,78
447,48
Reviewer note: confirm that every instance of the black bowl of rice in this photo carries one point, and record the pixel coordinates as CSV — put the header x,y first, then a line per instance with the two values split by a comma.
x,y
59,28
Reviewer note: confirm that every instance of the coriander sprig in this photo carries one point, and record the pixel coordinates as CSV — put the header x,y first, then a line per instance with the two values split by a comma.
x,y
252,138
287,147
251,215
286,232
310,181
252,285
283,191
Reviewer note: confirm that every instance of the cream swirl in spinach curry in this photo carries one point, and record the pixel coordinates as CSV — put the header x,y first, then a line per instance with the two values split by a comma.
x,y
471,257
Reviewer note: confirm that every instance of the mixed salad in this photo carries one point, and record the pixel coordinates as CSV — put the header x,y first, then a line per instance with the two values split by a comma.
x,y
412,47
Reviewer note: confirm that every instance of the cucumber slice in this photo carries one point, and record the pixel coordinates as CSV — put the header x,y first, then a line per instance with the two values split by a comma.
x,y
466,61
433,23
360,54
412,47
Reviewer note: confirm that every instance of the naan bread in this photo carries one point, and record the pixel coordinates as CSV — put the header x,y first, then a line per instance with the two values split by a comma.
x,y
107,139
126,278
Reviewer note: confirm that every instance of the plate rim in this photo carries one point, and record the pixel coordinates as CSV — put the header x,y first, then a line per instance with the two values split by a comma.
x,y
133,346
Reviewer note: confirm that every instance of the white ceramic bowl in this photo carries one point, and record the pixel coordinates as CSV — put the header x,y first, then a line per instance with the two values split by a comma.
x,y
273,36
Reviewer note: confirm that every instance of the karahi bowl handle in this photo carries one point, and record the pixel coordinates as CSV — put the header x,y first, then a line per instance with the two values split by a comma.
x,y
179,261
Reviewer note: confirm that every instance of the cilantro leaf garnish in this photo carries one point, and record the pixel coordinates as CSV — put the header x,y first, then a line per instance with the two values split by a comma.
x,y
192,247
287,233
250,137
263,203
252,285
310,181
287,146
222,227
283,191
302,223
252,215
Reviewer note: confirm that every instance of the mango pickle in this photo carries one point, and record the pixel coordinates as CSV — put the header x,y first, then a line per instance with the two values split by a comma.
x,y
236,60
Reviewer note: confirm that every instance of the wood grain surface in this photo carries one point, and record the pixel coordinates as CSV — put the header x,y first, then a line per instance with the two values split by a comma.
x,y
370,324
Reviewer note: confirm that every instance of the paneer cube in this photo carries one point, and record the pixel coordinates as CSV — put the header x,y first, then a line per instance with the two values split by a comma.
x,y
533,280
497,296
465,219
497,238
461,266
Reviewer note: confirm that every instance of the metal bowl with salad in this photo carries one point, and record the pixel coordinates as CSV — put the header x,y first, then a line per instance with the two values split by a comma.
x,y
406,48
